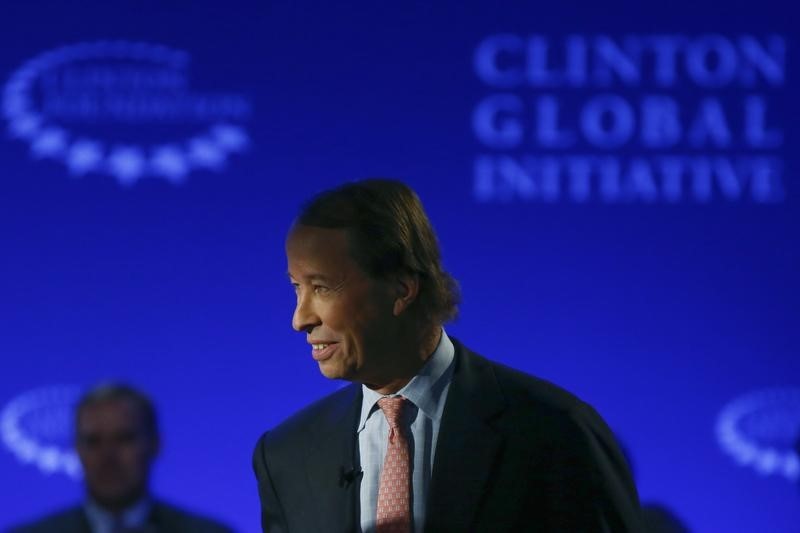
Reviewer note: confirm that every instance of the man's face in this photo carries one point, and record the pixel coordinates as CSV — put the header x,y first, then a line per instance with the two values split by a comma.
x,y
346,314
116,451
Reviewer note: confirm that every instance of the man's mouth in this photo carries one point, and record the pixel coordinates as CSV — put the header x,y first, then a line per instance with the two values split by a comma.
x,y
322,351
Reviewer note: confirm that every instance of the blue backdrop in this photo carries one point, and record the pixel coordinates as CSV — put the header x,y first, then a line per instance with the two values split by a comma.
x,y
614,186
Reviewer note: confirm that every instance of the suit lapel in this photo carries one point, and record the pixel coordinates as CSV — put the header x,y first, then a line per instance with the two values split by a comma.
x,y
467,445
81,521
331,454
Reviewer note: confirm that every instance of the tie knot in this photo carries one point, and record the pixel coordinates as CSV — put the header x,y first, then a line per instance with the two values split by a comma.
x,y
392,408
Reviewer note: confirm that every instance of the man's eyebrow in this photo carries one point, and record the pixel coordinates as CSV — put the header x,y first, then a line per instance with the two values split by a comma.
x,y
310,277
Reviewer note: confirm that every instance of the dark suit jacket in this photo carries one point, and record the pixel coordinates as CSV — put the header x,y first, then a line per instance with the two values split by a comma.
x,y
164,518
514,453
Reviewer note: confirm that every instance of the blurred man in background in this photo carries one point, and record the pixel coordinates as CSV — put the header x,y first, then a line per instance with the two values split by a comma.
x,y
117,440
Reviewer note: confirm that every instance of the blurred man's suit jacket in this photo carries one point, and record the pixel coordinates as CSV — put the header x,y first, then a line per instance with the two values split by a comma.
x,y
164,518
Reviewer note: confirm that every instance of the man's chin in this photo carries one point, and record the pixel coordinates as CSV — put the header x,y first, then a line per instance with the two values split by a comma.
x,y
331,370
116,498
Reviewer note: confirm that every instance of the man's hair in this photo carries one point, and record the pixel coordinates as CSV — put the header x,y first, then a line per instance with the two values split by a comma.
x,y
107,392
389,233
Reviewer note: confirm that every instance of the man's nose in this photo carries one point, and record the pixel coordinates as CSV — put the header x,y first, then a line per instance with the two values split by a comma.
x,y
304,318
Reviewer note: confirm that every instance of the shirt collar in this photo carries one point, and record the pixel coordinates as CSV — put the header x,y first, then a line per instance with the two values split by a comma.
x,y
425,390
133,516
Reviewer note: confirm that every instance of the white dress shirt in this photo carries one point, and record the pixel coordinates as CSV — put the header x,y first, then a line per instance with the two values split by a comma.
x,y
103,521
426,394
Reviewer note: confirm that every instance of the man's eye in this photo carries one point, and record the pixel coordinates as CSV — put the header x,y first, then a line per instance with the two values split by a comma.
x,y
320,289
90,441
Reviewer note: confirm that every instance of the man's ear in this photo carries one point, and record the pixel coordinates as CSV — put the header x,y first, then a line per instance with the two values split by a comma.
x,y
406,291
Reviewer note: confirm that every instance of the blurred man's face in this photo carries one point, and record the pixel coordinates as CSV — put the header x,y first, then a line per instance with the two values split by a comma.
x,y
116,451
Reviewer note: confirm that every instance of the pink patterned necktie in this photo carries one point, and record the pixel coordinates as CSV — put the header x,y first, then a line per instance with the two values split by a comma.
x,y
394,492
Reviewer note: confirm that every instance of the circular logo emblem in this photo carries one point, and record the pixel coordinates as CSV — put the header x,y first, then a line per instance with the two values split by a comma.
x,y
761,430
123,109
37,427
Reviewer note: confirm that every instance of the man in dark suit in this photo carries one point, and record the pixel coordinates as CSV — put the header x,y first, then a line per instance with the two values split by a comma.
x,y
430,436
117,441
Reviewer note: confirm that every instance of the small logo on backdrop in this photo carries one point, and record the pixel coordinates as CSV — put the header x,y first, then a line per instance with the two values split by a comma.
x,y
123,109
761,429
36,427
